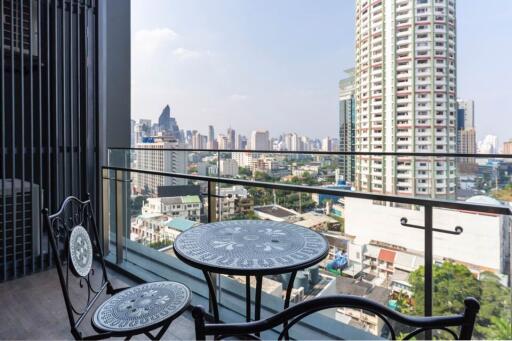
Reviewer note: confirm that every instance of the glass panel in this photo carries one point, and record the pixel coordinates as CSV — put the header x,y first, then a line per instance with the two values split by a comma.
x,y
373,253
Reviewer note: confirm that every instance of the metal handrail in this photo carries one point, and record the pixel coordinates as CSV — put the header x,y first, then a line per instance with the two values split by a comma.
x,y
439,203
259,151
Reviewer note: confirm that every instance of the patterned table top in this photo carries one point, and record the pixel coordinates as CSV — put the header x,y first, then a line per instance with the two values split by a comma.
x,y
249,247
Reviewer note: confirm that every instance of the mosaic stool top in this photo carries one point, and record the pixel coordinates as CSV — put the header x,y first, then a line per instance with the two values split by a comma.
x,y
142,306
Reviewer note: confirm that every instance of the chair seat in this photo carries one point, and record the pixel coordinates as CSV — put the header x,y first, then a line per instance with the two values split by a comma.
x,y
143,307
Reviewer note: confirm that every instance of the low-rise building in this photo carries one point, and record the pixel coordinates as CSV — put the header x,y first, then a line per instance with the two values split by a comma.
x,y
314,220
358,317
233,201
188,207
274,212
151,228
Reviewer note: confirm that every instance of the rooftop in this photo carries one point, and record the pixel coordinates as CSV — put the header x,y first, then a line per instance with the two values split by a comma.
x,y
180,224
275,211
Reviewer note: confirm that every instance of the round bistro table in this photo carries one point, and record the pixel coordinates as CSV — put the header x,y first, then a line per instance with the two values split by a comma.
x,y
250,248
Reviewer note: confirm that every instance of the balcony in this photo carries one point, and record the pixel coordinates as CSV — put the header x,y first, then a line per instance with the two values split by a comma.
x,y
62,104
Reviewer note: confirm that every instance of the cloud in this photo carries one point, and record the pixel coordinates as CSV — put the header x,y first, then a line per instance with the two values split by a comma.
x,y
237,97
184,54
149,42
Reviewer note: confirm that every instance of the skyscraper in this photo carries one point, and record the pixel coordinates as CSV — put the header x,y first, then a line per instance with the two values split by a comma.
x,y
466,112
260,140
168,125
405,89
231,138
466,133
507,147
164,120
211,137
489,145
347,125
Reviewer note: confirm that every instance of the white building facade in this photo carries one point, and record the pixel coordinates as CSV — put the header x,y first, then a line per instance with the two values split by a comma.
x,y
484,244
405,86
159,159
228,167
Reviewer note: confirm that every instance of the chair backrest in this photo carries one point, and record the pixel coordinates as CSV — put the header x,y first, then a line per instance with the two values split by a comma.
x,y
78,256
291,316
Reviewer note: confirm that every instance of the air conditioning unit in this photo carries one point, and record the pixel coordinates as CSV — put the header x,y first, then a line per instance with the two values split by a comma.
x,y
27,232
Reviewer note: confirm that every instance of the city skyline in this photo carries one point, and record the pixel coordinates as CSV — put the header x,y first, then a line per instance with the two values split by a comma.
x,y
172,45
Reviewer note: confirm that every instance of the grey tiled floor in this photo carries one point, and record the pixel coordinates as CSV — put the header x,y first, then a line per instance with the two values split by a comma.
x,y
33,308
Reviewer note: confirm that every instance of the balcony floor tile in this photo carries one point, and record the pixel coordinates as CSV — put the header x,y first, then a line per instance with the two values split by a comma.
x,y
33,308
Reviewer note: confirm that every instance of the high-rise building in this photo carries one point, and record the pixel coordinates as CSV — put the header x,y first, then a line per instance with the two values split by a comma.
x,y
211,137
465,113
222,141
489,145
330,144
347,125
159,161
466,133
260,140
507,147
198,141
293,142
164,120
167,124
405,89
231,138
467,145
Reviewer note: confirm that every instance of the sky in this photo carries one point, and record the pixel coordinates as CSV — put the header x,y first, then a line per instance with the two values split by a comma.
x,y
267,64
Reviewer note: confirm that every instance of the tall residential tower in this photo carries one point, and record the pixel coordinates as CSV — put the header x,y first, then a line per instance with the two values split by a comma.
x,y
347,125
405,86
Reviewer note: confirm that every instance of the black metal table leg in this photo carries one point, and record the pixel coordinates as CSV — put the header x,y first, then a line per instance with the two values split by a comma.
x,y
287,299
289,289
257,300
248,298
213,296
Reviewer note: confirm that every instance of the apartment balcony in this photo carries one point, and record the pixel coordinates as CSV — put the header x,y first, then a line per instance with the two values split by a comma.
x,y
67,137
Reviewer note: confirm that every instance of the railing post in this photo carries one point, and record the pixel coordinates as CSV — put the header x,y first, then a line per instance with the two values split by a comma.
x,y
106,211
428,263
212,202
120,215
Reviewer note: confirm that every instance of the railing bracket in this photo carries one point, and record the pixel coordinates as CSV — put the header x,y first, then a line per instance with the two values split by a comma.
x,y
456,231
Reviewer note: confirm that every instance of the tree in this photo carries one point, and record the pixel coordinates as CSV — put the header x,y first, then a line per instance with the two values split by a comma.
x,y
452,283
494,306
249,215
501,329
136,204
504,194
244,172
161,244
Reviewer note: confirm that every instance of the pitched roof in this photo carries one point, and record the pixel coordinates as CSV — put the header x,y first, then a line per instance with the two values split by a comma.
x,y
180,224
191,199
387,255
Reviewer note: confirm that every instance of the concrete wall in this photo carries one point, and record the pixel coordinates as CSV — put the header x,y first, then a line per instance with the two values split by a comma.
x,y
115,73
